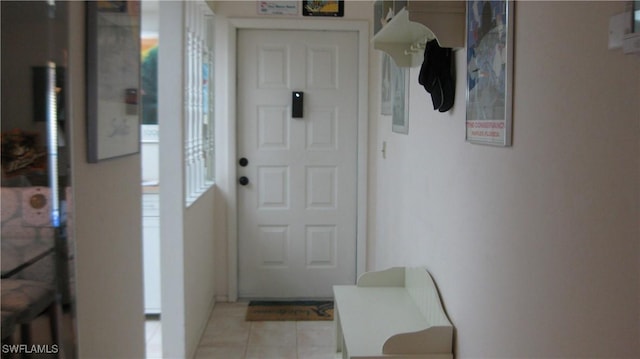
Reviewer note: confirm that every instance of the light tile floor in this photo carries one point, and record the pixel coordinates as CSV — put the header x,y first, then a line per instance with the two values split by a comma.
x,y
229,336
153,334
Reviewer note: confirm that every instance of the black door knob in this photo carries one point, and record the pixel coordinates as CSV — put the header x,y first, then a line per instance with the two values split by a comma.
x,y
243,162
243,180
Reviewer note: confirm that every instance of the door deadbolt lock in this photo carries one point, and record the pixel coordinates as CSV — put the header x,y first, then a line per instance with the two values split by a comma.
x,y
297,104
243,162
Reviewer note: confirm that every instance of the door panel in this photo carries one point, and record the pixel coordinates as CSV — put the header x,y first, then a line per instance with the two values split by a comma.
x,y
273,128
273,187
297,214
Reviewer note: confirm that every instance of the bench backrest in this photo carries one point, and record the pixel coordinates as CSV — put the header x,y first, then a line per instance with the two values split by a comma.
x,y
418,282
422,289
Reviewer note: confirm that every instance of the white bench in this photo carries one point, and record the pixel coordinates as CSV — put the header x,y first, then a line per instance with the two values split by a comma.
x,y
395,313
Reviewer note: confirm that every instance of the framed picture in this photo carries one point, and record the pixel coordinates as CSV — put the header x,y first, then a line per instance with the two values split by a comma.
x,y
399,5
113,79
377,16
323,8
385,86
400,99
382,14
489,72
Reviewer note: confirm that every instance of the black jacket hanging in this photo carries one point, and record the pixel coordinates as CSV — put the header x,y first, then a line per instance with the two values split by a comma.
x,y
437,75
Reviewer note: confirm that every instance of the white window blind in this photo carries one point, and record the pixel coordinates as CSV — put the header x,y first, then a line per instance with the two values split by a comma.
x,y
199,143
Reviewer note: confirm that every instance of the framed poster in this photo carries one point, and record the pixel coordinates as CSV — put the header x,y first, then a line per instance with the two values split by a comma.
x,y
400,99
385,86
489,72
113,79
399,5
382,14
323,8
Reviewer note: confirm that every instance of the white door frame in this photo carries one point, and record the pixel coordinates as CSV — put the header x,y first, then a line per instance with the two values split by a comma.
x,y
226,39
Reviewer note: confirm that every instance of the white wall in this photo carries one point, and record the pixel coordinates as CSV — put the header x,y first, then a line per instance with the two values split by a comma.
x,y
107,195
199,271
535,248
108,221
187,234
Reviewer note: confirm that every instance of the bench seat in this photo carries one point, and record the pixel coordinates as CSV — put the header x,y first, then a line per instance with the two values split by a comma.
x,y
392,314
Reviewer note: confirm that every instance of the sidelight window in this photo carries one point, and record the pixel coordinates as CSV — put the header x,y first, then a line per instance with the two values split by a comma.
x,y
198,109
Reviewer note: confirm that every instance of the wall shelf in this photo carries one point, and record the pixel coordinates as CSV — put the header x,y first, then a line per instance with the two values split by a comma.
x,y
404,36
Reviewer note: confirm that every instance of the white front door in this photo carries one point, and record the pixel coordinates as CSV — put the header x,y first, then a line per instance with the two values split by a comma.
x,y
297,214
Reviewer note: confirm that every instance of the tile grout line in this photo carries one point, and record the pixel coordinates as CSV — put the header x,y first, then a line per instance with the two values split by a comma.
x,y
296,333
246,344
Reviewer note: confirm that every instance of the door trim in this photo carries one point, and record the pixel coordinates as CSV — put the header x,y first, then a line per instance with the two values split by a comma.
x,y
226,41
